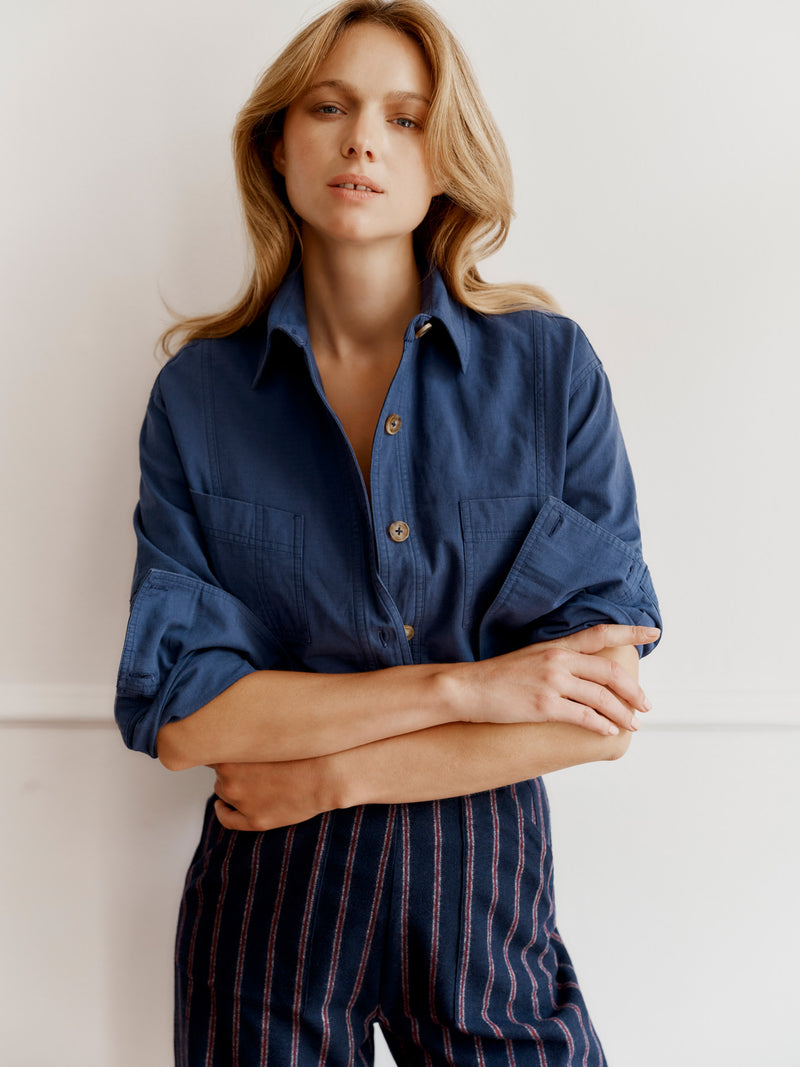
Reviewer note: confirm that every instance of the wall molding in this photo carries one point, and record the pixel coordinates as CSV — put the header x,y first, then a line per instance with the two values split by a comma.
x,y
54,704
22,703
673,707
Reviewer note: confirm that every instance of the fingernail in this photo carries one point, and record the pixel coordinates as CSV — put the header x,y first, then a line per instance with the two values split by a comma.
x,y
634,723
648,704
612,729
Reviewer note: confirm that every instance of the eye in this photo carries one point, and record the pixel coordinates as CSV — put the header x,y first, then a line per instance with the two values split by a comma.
x,y
408,124
328,109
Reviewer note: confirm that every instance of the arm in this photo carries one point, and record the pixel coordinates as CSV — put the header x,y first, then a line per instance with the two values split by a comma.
x,y
271,716
443,761
464,758
284,715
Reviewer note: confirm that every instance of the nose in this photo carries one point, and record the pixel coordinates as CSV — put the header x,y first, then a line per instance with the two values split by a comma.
x,y
357,150
359,141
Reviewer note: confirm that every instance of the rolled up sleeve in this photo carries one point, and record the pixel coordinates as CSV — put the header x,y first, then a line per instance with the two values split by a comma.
x,y
600,577
593,537
187,639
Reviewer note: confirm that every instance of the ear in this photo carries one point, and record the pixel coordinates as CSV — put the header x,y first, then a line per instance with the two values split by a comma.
x,y
279,157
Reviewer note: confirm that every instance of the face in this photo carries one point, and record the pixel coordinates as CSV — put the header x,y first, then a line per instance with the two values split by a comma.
x,y
353,148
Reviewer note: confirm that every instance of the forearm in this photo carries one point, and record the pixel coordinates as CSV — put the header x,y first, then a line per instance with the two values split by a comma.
x,y
273,716
270,716
459,758
441,761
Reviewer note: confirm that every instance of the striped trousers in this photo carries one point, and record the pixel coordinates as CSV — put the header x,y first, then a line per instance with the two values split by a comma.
x,y
435,919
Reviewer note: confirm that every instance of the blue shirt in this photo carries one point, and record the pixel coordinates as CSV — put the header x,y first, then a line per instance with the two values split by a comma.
x,y
502,508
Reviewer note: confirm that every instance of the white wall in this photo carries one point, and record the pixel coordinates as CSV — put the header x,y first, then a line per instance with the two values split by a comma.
x,y
657,165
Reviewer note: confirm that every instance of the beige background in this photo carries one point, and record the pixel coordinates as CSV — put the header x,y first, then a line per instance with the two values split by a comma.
x,y
657,166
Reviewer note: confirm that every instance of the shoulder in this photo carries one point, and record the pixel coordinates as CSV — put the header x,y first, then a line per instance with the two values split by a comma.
x,y
554,341
213,363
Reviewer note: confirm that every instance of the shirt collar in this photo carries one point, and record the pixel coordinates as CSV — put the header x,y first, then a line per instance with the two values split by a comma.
x,y
287,315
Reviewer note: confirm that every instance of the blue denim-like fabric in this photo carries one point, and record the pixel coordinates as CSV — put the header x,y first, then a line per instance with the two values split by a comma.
x,y
259,548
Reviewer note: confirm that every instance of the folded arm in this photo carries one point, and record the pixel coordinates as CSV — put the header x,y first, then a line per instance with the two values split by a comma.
x,y
270,716
442,761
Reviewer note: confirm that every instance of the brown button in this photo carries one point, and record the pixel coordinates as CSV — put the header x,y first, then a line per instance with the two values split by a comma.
x,y
423,330
393,424
399,531
409,631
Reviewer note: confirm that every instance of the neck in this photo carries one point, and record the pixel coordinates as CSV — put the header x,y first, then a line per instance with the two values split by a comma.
x,y
359,299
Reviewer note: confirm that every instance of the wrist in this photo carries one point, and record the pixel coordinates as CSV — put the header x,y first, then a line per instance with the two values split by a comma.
x,y
336,785
454,692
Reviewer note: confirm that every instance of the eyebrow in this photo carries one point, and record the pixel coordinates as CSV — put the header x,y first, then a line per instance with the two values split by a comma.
x,y
396,96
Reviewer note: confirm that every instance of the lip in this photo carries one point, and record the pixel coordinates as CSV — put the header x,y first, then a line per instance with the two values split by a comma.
x,y
354,179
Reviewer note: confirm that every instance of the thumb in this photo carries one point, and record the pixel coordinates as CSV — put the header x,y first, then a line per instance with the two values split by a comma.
x,y
609,635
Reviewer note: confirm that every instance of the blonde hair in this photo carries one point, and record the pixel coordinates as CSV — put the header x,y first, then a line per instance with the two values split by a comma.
x,y
467,157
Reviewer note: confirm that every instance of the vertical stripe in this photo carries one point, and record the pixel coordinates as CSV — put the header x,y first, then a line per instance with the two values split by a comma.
x,y
548,928
513,928
368,1024
404,899
512,1060
208,849
255,863
469,847
577,1009
597,1044
487,992
436,910
535,918
302,959
469,862
373,918
515,921
183,1022
339,931
273,933
212,961
479,1050
436,904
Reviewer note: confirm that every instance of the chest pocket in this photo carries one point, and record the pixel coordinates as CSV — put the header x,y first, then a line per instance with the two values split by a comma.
x,y
493,531
256,552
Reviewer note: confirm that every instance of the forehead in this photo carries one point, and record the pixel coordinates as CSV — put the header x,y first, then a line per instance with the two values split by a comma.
x,y
376,59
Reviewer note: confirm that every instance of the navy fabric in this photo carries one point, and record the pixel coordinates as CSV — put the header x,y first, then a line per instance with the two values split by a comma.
x,y
424,918
258,546
499,458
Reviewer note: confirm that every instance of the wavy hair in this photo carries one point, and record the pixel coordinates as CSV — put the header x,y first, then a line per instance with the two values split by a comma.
x,y
467,157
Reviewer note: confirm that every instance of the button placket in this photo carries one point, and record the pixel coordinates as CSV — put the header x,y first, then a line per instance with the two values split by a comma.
x,y
397,566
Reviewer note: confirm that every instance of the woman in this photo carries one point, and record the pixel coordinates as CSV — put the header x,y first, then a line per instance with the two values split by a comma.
x,y
389,573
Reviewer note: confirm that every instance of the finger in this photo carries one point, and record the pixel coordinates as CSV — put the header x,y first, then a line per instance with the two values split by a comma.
x,y
230,817
611,675
604,703
610,635
574,713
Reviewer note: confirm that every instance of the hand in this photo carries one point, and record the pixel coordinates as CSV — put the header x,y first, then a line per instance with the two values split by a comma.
x,y
263,796
561,681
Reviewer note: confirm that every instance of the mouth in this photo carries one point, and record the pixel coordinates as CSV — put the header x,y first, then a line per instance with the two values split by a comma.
x,y
355,182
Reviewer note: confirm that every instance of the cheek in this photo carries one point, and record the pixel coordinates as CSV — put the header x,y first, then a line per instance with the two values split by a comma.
x,y
424,189
298,172
424,183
